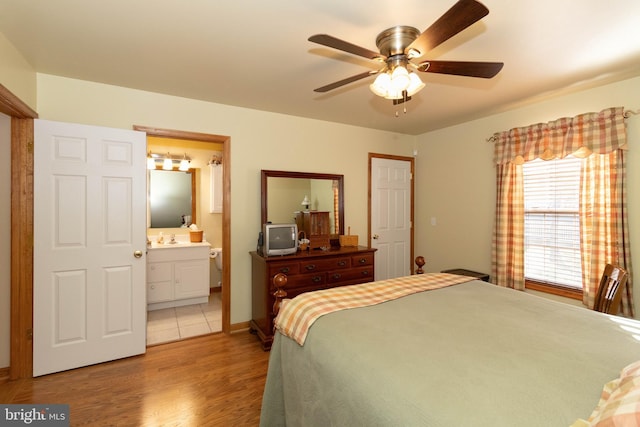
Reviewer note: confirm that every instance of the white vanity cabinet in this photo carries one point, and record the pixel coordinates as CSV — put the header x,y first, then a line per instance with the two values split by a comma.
x,y
177,275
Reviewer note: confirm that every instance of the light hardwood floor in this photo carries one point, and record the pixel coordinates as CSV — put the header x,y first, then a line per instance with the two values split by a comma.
x,y
212,380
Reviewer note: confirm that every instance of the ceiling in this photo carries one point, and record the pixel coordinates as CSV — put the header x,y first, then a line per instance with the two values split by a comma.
x,y
255,54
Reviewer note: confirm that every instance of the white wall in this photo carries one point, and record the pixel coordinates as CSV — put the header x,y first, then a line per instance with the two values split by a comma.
x,y
456,178
259,140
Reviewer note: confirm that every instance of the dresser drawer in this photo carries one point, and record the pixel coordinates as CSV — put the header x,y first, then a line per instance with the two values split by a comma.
x,y
319,265
289,268
362,259
306,280
351,276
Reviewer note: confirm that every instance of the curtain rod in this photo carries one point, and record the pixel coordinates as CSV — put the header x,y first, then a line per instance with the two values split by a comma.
x,y
626,115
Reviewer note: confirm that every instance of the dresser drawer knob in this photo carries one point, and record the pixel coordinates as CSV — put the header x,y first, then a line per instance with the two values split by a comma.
x,y
342,263
337,276
365,273
310,267
362,260
316,279
284,270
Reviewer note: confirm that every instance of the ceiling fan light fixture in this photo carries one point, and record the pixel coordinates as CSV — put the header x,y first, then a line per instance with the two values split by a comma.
x,y
399,79
394,94
415,84
392,85
381,84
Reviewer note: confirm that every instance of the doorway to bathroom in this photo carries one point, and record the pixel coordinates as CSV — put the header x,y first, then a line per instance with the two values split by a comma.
x,y
202,150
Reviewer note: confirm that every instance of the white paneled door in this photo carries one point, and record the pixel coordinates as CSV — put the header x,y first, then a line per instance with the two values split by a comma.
x,y
89,245
391,217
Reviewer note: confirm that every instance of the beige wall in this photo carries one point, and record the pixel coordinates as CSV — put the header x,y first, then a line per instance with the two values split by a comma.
x,y
460,192
259,140
16,74
18,77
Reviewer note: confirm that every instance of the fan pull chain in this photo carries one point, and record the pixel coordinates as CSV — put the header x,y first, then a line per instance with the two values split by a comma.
x,y
404,111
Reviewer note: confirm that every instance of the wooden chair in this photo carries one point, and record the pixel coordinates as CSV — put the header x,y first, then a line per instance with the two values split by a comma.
x,y
609,291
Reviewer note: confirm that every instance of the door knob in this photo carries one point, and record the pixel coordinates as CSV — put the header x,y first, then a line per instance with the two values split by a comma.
x,y
137,254
375,236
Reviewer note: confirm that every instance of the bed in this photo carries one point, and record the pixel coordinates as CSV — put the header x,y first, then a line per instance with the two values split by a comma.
x,y
467,353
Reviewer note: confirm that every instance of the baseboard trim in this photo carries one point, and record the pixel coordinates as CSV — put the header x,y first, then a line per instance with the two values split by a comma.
x,y
4,374
239,327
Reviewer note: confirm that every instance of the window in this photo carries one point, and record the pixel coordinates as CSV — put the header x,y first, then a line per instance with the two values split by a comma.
x,y
552,222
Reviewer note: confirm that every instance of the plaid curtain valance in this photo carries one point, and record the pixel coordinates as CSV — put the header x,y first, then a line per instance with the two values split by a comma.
x,y
581,135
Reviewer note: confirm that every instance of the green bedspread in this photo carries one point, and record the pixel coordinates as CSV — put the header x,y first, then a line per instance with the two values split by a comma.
x,y
472,354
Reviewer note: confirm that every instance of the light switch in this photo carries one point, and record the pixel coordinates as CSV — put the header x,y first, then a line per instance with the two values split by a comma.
x,y
433,220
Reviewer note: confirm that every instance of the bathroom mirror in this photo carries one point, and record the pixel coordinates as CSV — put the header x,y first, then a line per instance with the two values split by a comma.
x,y
172,200
283,193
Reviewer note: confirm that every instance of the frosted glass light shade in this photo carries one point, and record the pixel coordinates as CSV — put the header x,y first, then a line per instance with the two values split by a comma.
x,y
399,79
151,163
167,164
391,85
415,84
380,84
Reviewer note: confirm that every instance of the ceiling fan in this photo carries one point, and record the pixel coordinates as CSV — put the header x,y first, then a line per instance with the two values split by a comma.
x,y
399,45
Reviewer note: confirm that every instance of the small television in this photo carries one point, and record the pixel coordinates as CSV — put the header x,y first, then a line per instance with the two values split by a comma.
x,y
279,239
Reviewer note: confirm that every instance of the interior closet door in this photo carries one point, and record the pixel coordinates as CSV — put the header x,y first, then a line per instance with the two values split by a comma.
x,y
391,227
89,245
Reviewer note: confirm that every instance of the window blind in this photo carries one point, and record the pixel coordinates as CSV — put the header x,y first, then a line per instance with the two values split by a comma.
x,y
552,222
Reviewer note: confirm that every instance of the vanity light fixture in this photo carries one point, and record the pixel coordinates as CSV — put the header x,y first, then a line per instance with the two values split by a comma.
x,y
151,162
184,163
167,164
168,161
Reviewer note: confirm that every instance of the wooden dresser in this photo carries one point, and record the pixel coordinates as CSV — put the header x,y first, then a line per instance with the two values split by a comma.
x,y
306,271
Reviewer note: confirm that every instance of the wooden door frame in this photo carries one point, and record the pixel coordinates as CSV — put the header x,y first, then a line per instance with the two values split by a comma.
x,y
226,205
411,161
21,329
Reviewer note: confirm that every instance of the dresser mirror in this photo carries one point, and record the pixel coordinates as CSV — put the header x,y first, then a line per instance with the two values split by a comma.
x,y
172,198
283,194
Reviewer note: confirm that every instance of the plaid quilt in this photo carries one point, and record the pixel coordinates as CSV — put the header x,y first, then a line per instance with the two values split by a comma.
x,y
298,314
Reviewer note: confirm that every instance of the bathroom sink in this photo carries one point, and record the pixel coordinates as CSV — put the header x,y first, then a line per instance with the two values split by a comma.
x,y
176,243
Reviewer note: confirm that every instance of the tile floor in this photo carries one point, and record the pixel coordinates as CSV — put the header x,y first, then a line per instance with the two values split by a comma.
x,y
172,324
